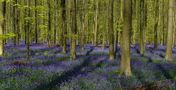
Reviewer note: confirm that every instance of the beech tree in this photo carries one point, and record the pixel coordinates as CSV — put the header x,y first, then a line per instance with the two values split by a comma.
x,y
2,12
36,22
64,26
76,24
74,28
169,56
96,6
28,27
125,66
142,26
111,29
49,24
156,24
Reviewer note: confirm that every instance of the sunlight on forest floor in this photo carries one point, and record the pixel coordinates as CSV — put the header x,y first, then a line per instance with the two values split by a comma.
x,y
48,68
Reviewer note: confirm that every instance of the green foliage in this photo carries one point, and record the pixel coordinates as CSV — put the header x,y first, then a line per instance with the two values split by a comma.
x,y
7,36
117,72
6,1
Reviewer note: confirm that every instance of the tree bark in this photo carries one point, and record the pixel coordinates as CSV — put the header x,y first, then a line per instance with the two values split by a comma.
x,y
125,66
169,56
142,32
64,26
2,25
111,29
156,24
49,24
74,29
96,21
36,22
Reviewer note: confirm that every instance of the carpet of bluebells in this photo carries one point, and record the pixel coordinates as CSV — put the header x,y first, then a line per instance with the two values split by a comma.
x,y
50,69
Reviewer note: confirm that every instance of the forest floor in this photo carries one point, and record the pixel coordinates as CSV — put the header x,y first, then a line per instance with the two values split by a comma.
x,y
48,69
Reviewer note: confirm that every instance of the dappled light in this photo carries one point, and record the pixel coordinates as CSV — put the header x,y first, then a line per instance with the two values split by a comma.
x,y
87,45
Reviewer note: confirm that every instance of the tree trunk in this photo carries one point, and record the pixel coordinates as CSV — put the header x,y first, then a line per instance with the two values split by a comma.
x,y
55,21
163,23
84,24
125,66
169,56
96,21
27,28
111,29
156,24
2,25
64,26
14,22
142,32
1,40
74,29
49,24
36,22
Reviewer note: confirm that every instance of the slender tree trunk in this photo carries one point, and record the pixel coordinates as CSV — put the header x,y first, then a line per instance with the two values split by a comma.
x,y
2,25
111,29
14,22
173,44
119,25
125,66
74,29
156,24
1,40
27,29
64,26
84,24
56,21
49,24
134,10
17,23
163,23
138,16
96,21
142,32
104,41
36,22
169,56
116,41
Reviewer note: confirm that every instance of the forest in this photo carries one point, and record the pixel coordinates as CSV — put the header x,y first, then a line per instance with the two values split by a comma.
x,y
87,44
